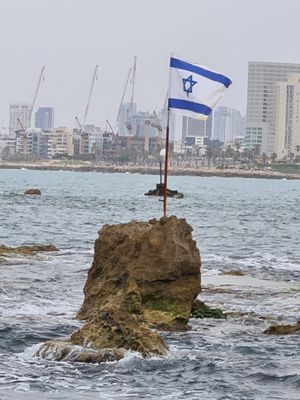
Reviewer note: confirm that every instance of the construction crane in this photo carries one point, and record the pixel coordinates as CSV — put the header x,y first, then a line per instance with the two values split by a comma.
x,y
107,123
94,77
129,110
78,126
124,91
22,130
157,124
81,127
35,95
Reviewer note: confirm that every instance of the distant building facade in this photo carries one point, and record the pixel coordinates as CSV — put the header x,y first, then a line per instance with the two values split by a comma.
x,y
122,130
19,112
197,142
61,143
287,137
44,118
196,127
228,123
139,126
262,102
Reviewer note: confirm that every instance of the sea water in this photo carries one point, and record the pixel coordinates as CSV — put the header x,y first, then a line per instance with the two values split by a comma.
x,y
239,224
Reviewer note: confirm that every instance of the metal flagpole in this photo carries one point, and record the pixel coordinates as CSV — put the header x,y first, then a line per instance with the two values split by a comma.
x,y
166,165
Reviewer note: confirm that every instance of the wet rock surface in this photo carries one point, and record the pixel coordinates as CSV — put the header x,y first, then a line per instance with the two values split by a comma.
x,y
149,269
33,191
121,330
283,329
144,275
26,250
59,350
233,273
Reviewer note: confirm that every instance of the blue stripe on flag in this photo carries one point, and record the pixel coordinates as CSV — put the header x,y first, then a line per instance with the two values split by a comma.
x,y
179,64
189,105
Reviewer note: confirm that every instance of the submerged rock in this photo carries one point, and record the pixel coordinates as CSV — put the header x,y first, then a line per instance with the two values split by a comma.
x,y
59,350
148,269
283,329
33,191
234,273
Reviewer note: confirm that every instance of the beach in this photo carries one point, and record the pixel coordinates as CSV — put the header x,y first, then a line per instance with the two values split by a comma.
x,y
204,171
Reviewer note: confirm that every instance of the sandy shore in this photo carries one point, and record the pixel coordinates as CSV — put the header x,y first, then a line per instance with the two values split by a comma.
x,y
54,165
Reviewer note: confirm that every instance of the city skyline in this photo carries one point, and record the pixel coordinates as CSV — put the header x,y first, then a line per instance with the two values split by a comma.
x,y
123,32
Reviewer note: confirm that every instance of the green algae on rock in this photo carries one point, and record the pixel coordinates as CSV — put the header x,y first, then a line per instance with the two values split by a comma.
x,y
200,310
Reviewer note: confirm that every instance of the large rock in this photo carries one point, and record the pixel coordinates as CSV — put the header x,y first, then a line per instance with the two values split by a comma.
x,y
148,269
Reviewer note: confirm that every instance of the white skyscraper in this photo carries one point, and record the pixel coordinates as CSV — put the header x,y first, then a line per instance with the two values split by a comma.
x,y
19,112
262,102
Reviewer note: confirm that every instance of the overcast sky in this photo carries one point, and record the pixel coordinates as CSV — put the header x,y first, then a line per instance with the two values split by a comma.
x,y
69,37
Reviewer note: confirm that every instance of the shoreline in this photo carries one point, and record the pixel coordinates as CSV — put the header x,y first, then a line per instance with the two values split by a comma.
x,y
172,171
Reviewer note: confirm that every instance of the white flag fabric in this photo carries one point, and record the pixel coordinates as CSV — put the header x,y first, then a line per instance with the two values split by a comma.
x,y
194,90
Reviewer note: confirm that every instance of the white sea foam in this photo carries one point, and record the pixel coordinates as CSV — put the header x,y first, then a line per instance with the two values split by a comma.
x,y
256,260
48,310
31,351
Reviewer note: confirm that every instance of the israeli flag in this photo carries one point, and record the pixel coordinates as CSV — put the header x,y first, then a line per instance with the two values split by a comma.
x,y
194,90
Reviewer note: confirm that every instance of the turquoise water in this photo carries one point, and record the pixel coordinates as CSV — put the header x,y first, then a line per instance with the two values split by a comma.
x,y
246,224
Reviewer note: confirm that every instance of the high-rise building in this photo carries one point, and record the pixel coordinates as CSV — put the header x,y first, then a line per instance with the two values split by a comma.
x,y
19,114
122,131
228,123
262,102
44,118
287,138
196,127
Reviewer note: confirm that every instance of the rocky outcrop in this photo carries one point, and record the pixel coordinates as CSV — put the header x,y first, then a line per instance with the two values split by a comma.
x,y
119,329
33,191
144,275
26,250
148,269
283,329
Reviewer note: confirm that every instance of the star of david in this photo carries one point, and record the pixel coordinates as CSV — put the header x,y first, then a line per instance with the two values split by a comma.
x,y
188,85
